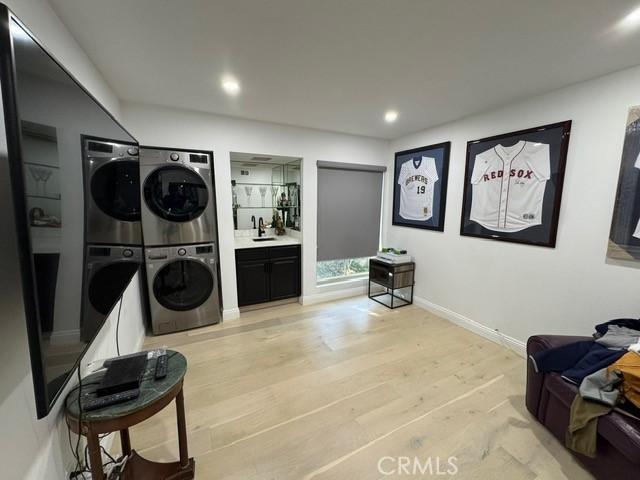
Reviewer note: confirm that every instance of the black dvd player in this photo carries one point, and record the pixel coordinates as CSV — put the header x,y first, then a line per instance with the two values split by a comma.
x,y
122,374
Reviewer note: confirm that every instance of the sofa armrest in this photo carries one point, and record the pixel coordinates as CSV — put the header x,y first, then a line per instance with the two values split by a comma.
x,y
535,380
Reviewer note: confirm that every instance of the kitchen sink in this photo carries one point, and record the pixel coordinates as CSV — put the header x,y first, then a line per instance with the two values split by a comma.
x,y
264,239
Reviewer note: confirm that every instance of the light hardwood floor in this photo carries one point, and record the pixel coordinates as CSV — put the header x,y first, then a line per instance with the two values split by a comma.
x,y
326,391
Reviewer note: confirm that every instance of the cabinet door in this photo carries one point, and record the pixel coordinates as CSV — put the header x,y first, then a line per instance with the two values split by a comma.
x,y
253,282
285,278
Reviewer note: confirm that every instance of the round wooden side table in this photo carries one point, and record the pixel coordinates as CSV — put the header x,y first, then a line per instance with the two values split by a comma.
x,y
154,396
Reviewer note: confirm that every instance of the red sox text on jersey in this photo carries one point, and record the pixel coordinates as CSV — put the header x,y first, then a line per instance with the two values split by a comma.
x,y
508,186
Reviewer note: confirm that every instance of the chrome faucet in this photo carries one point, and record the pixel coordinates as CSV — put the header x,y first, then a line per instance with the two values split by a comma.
x,y
261,230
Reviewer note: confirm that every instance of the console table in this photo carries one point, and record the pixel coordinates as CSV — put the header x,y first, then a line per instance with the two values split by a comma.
x,y
154,396
393,277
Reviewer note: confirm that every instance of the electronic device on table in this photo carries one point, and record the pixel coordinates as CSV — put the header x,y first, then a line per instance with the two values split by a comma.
x,y
394,255
121,382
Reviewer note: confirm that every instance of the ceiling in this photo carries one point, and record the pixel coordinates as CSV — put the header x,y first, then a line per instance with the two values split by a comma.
x,y
340,64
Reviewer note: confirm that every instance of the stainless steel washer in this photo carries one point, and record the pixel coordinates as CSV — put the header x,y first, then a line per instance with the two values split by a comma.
x,y
184,291
108,270
178,201
112,192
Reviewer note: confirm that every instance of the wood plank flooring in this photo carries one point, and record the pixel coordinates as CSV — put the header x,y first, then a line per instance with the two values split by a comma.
x,y
327,391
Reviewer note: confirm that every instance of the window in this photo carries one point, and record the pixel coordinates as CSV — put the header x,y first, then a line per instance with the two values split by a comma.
x,y
349,215
346,269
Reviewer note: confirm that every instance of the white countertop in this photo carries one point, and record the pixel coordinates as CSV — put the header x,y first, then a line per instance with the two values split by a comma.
x,y
247,242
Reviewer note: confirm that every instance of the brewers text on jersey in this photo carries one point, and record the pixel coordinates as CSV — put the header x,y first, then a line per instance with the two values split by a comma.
x,y
417,178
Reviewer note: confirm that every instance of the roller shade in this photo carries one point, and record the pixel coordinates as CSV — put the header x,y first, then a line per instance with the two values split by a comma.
x,y
349,210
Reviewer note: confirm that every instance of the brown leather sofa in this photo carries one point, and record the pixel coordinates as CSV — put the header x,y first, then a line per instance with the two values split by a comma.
x,y
549,399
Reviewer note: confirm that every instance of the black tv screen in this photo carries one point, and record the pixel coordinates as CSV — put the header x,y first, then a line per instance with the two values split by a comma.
x,y
66,298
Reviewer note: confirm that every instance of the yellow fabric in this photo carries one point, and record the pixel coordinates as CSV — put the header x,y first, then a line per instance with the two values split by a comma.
x,y
629,366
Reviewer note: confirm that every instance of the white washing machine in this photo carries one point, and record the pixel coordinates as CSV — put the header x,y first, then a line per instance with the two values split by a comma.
x,y
184,290
178,199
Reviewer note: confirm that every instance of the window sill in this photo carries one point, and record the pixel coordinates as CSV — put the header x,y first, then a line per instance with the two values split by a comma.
x,y
350,280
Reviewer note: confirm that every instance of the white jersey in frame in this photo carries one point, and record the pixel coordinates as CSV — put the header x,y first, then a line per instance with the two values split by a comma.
x,y
416,180
508,186
637,232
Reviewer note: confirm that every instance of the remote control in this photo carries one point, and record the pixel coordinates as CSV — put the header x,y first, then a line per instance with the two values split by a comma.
x,y
161,366
95,403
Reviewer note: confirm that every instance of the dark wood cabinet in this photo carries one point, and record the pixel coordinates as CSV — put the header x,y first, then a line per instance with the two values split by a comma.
x,y
253,282
267,274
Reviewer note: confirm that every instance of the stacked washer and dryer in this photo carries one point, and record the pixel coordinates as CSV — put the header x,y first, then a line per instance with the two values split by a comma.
x,y
113,235
179,227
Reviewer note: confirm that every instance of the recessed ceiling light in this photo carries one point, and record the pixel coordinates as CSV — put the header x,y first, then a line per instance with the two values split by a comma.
x,y
631,20
231,85
390,116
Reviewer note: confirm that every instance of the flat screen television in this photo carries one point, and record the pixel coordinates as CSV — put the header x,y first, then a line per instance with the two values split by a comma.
x,y
49,118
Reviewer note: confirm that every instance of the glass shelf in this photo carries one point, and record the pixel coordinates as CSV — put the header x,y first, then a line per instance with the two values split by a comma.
x,y
46,197
270,208
266,184
54,167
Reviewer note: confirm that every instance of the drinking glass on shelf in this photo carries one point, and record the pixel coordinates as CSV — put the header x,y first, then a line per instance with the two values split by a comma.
x,y
248,189
263,192
36,175
274,195
45,174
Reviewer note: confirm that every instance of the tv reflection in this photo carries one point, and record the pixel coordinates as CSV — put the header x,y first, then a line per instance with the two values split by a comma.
x,y
78,280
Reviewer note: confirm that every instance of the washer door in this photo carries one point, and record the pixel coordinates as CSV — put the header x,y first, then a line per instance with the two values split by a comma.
x,y
115,189
175,193
183,285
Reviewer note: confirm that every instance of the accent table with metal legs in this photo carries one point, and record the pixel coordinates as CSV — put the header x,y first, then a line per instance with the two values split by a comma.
x,y
391,277
154,396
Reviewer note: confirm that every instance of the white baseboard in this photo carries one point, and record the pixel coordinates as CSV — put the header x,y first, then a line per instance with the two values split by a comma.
x,y
496,336
230,314
333,295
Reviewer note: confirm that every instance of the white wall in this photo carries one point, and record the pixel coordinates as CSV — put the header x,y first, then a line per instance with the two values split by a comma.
x,y
162,126
33,449
30,448
525,290
40,18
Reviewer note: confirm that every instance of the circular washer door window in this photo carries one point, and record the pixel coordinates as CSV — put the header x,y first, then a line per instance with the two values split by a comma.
x,y
183,285
177,194
115,188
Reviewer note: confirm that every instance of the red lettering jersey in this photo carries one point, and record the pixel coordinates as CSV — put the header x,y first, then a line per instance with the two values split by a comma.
x,y
508,186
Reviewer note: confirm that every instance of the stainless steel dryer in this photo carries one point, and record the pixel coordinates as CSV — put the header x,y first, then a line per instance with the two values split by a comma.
x,y
184,291
112,192
178,205
108,270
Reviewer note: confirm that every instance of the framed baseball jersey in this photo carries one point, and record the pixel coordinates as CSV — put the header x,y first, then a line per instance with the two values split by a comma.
x,y
624,238
513,185
420,185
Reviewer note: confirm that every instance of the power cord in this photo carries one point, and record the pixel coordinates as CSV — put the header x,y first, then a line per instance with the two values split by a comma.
x,y
118,326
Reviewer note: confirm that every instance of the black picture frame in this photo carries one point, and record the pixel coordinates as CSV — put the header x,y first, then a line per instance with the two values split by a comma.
x,y
543,234
440,152
624,236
